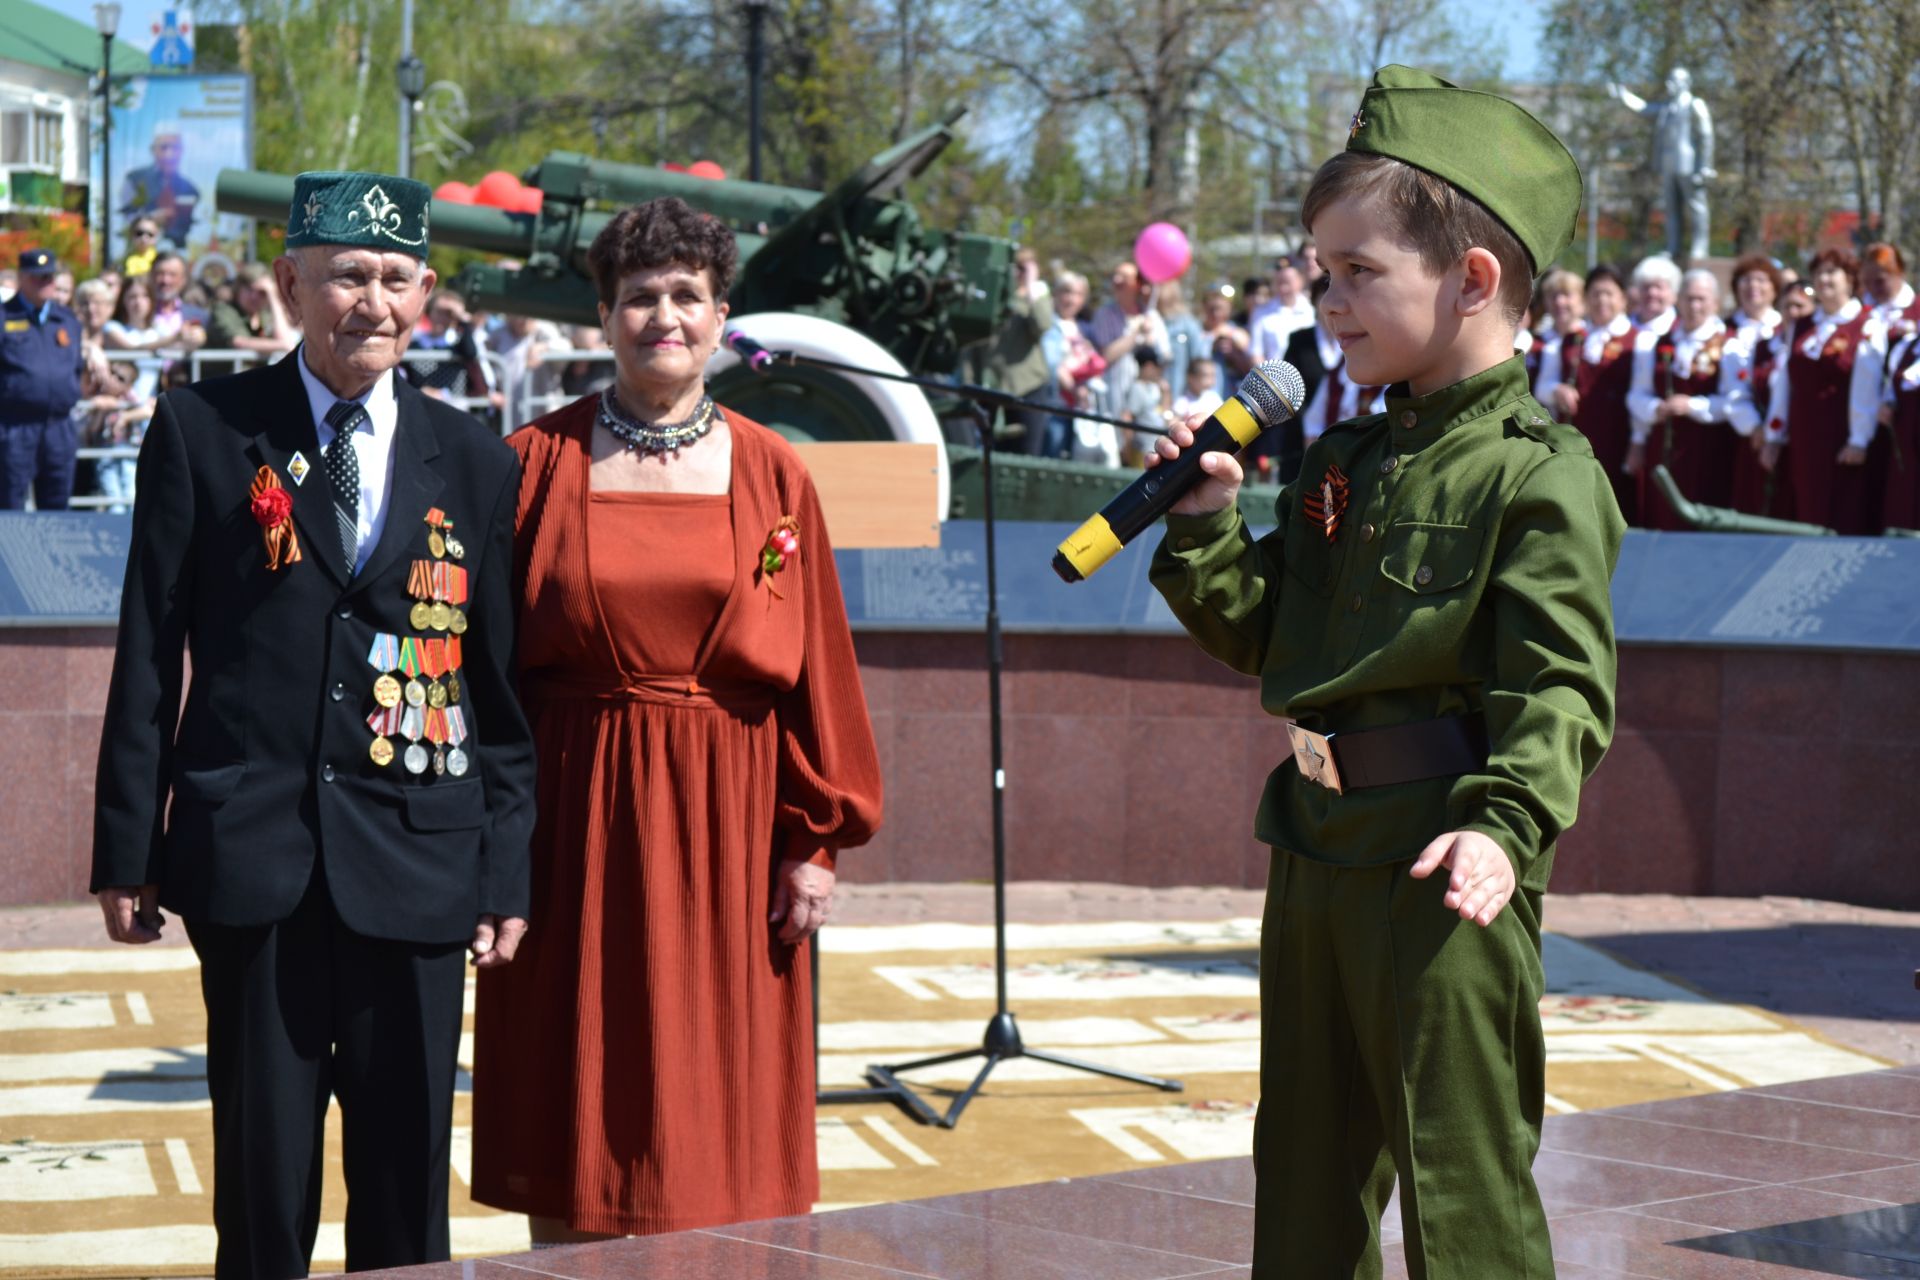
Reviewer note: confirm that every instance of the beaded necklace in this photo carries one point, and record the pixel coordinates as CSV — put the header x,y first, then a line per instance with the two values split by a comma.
x,y
654,437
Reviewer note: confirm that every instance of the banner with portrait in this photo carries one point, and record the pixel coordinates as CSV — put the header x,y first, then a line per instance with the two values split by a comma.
x,y
172,135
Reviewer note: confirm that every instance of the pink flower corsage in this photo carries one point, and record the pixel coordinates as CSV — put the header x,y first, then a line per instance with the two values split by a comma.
x,y
782,543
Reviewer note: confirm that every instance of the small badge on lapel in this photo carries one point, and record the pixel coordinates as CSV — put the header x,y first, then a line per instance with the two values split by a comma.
x,y
1328,503
298,468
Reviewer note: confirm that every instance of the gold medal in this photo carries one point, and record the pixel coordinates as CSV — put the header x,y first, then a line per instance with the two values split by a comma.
x,y
420,616
440,616
453,689
436,695
416,694
386,692
436,544
457,622
382,752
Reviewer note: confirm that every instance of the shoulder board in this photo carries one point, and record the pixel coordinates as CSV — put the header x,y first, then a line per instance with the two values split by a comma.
x,y
1532,421
1366,423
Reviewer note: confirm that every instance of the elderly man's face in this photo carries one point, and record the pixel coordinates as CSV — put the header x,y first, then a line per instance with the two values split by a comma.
x,y
356,307
36,288
166,152
169,276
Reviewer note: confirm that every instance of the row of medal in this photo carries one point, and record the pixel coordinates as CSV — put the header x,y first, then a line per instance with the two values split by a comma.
x,y
420,708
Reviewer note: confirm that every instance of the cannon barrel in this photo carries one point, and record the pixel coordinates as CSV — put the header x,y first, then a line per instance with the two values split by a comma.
x,y
1720,520
471,226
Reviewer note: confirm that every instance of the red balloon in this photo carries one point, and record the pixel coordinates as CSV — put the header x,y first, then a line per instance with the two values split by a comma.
x,y
673,166
706,169
499,189
530,201
454,192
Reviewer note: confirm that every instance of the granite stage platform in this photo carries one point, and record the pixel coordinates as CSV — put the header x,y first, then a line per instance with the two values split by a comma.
x,y
1820,1178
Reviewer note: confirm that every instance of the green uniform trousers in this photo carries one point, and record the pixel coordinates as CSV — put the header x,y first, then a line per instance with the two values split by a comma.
x,y
1396,1038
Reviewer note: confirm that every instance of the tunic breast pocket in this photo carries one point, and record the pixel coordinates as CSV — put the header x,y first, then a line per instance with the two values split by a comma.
x,y
1310,557
1431,559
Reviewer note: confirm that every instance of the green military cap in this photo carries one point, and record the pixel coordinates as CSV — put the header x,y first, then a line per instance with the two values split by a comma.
x,y
361,210
1488,147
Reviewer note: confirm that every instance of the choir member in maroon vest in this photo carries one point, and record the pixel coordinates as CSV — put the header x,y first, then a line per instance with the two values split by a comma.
x,y
1826,397
1746,368
1884,287
1901,412
1563,300
1596,400
1680,407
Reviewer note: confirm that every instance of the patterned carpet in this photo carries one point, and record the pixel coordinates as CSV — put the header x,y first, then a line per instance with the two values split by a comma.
x,y
105,1155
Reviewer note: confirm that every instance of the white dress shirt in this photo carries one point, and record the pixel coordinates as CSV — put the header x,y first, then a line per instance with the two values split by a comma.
x,y
1276,325
1642,397
1890,313
1908,380
1321,414
373,442
1551,374
1736,367
1645,337
1863,394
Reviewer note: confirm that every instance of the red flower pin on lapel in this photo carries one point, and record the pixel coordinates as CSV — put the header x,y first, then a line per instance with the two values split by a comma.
x,y
1325,505
782,543
272,508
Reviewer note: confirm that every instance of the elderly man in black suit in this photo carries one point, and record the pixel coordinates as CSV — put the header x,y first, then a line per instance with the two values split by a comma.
x,y
342,809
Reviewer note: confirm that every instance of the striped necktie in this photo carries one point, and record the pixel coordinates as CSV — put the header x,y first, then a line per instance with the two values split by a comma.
x,y
343,473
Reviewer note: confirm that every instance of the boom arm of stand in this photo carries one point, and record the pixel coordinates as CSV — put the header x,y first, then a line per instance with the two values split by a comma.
x,y
1721,520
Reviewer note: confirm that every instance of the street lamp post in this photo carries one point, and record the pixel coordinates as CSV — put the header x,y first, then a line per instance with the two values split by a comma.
x,y
106,20
756,57
411,75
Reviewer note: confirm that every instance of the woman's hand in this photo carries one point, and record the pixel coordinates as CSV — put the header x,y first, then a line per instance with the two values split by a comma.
x,y
1221,486
1851,456
1636,458
1770,454
802,899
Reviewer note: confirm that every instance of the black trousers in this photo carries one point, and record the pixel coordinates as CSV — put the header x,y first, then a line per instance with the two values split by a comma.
x,y
306,1009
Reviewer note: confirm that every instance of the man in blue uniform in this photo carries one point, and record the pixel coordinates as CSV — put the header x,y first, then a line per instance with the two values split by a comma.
x,y
40,363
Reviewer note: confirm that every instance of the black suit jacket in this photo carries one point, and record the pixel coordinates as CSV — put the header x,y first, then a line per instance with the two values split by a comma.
x,y
1303,353
267,765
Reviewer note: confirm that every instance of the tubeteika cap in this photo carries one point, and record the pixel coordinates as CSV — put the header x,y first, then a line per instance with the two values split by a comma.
x,y
1488,147
362,210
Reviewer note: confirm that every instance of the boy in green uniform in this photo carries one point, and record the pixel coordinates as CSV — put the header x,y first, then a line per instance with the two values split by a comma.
x,y
1433,616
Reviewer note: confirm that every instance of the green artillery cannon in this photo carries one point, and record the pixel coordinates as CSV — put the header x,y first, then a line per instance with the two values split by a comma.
x,y
1721,520
855,272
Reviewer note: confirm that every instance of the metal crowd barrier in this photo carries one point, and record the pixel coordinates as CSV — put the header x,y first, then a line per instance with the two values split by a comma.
x,y
519,405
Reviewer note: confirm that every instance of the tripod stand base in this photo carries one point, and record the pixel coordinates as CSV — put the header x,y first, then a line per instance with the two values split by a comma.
x,y
1001,1043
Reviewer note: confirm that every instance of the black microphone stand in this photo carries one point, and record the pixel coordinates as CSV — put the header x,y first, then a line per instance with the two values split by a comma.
x,y
1001,1042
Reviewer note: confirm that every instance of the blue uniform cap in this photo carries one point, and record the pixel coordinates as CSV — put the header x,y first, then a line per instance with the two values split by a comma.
x,y
39,262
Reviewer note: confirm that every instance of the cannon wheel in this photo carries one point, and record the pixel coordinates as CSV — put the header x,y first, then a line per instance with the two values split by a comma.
x,y
804,403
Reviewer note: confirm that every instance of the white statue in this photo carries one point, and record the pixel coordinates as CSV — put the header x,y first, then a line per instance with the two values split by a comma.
x,y
1682,157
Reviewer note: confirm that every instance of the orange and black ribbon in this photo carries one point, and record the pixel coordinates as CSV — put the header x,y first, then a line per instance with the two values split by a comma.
x,y
1325,505
275,516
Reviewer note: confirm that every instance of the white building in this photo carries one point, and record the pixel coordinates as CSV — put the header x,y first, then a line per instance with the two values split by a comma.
x,y
49,99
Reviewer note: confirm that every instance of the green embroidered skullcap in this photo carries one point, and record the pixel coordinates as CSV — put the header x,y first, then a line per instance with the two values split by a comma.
x,y
361,210
1488,147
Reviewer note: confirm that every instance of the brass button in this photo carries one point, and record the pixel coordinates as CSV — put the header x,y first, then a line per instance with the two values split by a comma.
x,y
1424,575
1359,602
1386,468
1366,533
1408,418
1185,544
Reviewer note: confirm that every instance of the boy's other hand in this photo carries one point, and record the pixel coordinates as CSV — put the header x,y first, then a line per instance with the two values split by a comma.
x,y
1221,486
1482,879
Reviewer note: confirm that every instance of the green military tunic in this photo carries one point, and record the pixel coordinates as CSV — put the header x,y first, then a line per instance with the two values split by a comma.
x,y
1469,576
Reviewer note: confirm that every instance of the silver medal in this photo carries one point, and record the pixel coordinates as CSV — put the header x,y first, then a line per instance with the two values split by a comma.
x,y
457,763
417,759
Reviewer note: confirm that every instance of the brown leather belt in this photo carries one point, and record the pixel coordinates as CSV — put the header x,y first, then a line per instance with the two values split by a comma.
x,y
1343,762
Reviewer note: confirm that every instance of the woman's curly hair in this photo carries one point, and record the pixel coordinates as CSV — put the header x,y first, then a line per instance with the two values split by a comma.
x,y
662,233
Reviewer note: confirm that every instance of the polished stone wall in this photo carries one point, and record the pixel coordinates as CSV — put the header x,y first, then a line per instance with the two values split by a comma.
x,y
1136,759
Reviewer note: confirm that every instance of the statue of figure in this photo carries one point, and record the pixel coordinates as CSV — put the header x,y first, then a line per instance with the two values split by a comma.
x,y
1682,157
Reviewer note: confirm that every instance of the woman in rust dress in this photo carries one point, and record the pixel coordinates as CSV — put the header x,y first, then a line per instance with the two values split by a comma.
x,y
704,749
1826,399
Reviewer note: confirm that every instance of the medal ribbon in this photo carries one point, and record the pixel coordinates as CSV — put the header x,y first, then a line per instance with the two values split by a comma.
x,y
456,726
418,581
436,725
435,660
453,653
440,568
283,544
436,517
410,656
385,721
457,584
412,723
385,654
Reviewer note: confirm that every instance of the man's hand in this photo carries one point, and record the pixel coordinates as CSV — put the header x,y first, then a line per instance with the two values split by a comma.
x,y
1566,401
1851,456
495,939
133,915
1482,880
802,899
1223,473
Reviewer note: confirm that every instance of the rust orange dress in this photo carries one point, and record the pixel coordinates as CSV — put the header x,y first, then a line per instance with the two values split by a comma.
x,y
646,1063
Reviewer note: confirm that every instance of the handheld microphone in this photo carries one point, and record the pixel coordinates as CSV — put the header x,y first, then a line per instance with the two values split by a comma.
x,y
1268,396
756,356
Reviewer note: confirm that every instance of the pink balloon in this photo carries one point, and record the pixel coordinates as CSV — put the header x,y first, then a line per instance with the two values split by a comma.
x,y
706,169
454,192
499,189
1162,252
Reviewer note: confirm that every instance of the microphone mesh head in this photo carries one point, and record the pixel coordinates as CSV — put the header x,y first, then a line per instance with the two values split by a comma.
x,y
1273,392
